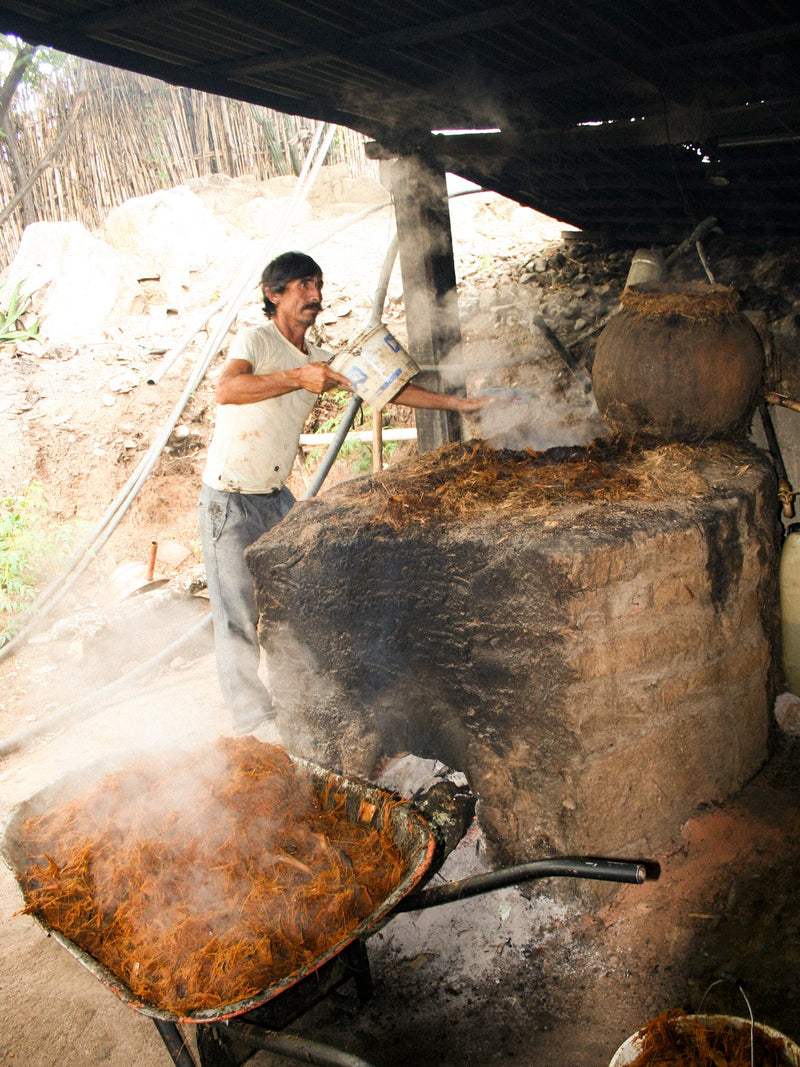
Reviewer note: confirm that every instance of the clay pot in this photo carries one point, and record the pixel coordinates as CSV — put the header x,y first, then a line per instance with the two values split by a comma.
x,y
678,363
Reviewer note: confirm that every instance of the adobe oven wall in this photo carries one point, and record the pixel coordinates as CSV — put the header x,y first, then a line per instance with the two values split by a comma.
x,y
597,670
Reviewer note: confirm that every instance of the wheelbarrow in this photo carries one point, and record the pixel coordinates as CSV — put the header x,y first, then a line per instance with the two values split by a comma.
x,y
424,832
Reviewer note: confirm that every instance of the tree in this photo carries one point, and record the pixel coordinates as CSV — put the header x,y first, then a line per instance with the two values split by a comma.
x,y
28,66
20,65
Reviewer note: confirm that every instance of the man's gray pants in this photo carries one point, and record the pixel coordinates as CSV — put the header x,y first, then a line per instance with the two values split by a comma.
x,y
229,523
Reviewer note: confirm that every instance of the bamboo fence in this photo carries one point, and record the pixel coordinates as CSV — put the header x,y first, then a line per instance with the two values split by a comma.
x,y
133,135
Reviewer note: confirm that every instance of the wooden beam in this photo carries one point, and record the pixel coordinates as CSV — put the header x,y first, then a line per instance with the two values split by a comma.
x,y
429,283
373,50
676,126
137,14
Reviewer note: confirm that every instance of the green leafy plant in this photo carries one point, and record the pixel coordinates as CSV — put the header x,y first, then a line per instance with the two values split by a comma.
x,y
357,453
12,328
30,543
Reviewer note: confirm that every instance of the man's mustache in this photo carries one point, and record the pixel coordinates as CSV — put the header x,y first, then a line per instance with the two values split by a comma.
x,y
312,307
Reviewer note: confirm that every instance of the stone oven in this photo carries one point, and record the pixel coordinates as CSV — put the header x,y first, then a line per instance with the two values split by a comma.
x,y
587,633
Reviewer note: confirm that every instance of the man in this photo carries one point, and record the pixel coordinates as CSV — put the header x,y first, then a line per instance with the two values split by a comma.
x,y
268,387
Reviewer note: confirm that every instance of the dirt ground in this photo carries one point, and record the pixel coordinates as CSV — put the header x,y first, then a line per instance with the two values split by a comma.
x,y
532,977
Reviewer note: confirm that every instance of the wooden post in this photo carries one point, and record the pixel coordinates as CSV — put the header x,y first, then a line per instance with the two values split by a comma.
x,y
377,442
429,284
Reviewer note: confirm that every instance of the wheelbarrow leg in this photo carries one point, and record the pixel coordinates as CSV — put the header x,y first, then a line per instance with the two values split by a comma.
x,y
218,1049
362,976
218,1046
176,1046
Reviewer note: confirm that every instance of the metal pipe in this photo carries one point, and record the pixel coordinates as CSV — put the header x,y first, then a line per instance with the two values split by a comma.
x,y
379,300
562,867
348,419
329,458
377,442
375,318
292,1046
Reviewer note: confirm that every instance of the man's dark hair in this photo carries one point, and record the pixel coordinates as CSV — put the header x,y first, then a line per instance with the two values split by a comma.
x,y
284,269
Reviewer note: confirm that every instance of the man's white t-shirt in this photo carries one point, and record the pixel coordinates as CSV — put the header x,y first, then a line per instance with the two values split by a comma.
x,y
254,445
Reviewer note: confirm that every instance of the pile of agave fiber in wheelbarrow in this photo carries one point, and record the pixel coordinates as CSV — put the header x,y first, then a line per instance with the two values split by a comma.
x,y
206,879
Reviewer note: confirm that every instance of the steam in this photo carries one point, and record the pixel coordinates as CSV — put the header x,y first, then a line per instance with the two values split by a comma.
x,y
537,401
543,409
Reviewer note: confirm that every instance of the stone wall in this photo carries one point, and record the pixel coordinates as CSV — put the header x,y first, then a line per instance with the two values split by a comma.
x,y
597,667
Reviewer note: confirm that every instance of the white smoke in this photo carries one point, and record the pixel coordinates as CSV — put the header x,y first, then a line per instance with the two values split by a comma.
x,y
538,401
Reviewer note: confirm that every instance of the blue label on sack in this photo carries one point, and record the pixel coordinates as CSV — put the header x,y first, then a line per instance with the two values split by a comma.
x,y
357,377
391,378
390,341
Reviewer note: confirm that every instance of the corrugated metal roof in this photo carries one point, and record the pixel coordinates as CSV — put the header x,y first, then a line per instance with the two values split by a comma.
x,y
638,119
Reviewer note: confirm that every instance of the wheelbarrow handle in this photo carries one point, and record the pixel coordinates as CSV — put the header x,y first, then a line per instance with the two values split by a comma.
x,y
290,1046
561,867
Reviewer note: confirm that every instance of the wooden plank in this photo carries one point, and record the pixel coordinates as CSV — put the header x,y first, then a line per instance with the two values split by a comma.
x,y
429,284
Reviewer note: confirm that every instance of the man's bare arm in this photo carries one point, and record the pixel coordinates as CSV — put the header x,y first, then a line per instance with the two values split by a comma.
x,y
239,385
414,396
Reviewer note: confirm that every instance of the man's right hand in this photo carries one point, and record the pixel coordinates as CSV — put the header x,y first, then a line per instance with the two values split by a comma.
x,y
238,385
319,378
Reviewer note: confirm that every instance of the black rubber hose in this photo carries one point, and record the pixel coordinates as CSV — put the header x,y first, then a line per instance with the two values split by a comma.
x,y
563,867
292,1046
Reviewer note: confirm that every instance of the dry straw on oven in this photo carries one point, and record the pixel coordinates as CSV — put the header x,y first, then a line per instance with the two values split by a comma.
x,y
464,480
693,301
